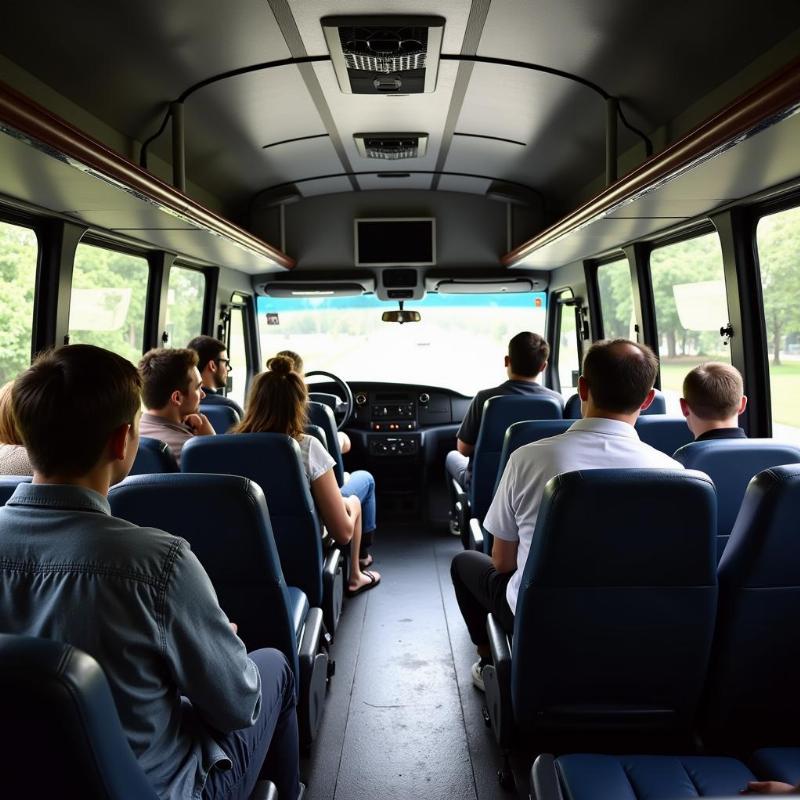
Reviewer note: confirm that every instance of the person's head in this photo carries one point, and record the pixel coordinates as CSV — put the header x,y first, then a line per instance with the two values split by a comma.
x,y
212,361
9,432
277,401
618,377
527,355
294,358
77,409
171,381
713,397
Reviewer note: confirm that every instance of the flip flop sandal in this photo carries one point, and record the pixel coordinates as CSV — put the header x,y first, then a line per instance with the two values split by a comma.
x,y
373,582
366,562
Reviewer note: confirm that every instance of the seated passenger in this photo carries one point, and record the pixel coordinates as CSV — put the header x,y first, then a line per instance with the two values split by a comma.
x,y
770,787
616,384
214,366
277,404
713,399
359,483
13,456
525,362
136,599
171,393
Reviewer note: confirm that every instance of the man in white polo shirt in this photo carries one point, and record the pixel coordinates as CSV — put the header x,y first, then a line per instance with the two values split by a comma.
x,y
616,385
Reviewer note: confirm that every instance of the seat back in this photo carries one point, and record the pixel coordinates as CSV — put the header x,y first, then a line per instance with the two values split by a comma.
x,y
317,433
225,520
330,400
8,483
273,461
616,607
498,413
753,693
61,733
215,399
666,434
522,433
153,457
572,408
731,463
321,414
222,417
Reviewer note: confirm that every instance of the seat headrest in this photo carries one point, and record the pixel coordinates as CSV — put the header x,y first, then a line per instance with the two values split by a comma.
x,y
666,434
153,456
504,410
659,524
572,408
221,417
8,484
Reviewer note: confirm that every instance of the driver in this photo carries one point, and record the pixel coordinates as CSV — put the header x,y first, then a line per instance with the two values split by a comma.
x,y
360,483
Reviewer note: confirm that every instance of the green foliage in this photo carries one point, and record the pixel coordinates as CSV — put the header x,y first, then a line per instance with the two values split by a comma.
x,y
616,299
185,305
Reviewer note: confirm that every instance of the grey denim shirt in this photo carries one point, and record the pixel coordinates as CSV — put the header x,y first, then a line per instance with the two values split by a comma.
x,y
138,600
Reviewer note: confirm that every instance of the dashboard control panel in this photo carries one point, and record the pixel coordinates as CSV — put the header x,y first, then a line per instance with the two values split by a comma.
x,y
393,445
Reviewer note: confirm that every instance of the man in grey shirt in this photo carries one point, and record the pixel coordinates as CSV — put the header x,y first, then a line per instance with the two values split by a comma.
x,y
202,717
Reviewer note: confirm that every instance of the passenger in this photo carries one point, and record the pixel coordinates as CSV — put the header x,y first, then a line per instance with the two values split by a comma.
x,y
525,362
770,787
13,456
277,404
214,366
136,599
713,399
616,384
359,483
171,390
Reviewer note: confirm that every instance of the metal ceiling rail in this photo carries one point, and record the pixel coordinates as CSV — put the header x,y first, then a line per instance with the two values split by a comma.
x,y
767,103
23,118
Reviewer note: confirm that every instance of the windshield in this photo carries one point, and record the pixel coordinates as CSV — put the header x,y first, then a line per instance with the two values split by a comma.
x,y
459,343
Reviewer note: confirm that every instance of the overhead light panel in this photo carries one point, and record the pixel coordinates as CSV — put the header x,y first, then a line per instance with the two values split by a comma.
x,y
391,146
385,54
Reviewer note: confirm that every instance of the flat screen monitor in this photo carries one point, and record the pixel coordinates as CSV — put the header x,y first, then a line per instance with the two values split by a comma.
x,y
407,242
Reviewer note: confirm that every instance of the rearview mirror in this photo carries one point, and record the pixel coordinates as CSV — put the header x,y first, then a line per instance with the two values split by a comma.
x,y
401,316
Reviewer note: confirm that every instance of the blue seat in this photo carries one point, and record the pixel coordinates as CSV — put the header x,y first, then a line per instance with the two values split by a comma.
x,y
585,776
225,520
61,733
321,414
616,609
153,457
8,483
317,433
214,399
330,400
731,463
498,413
222,417
517,435
273,461
666,434
572,408
753,695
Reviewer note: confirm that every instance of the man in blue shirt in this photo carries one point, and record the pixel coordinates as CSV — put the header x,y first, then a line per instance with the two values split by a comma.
x,y
202,717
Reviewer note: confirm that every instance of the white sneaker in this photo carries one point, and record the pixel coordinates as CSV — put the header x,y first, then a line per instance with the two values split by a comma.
x,y
477,674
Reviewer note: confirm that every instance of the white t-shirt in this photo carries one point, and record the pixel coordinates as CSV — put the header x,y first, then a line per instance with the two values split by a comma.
x,y
316,459
594,443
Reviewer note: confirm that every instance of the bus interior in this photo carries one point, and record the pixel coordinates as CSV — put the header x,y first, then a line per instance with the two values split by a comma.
x,y
393,191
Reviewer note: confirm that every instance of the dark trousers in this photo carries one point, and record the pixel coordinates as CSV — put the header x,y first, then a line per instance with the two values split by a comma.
x,y
268,750
481,590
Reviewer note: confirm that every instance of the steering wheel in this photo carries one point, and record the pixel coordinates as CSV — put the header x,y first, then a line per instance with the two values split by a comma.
x,y
344,409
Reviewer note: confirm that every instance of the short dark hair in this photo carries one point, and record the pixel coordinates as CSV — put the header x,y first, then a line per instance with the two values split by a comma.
x,y
165,370
620,374
713,390
207,348
69,402
528,353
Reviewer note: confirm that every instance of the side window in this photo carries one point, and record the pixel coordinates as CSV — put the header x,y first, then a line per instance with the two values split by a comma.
x,y
109,291
616,300
19,252
568,365
185,297
691,307
778,239
237,353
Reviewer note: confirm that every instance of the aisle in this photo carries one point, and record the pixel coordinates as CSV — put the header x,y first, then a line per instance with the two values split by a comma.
x,y
403,721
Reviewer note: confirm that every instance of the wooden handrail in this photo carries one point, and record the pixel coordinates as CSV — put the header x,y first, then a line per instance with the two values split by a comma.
x,y
769,101
22,115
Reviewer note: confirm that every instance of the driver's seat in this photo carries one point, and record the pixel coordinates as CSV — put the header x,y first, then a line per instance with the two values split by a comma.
x,y
321,414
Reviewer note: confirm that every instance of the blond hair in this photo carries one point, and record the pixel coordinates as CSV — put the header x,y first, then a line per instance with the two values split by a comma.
x,y
9,432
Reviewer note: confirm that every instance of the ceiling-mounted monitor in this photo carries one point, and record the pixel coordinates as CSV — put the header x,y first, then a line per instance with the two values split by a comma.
x,y
383,242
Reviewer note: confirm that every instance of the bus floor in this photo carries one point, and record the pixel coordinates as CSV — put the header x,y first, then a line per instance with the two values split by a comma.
x,y
402,719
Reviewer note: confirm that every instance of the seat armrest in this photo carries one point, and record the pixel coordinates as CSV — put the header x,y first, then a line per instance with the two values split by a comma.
x,y
311,636
461,509
475,534
264,790
332,589
497,681
500,647
544,779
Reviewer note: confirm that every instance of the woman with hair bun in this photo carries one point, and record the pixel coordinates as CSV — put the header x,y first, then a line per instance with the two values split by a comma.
x,y
277,404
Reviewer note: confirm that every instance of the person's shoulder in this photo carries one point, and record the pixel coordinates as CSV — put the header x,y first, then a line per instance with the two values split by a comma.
x,y
657,458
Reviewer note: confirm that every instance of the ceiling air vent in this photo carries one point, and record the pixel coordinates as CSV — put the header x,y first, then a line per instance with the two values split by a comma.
x,y
385,54
391,146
